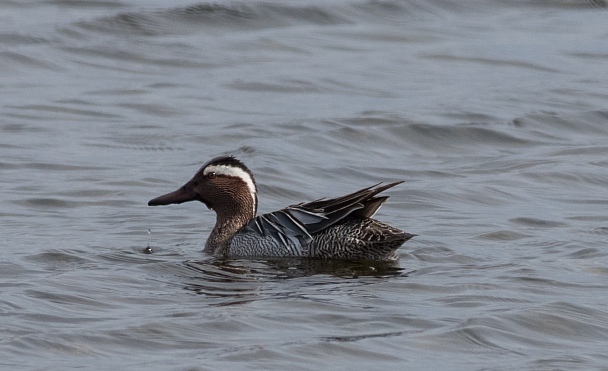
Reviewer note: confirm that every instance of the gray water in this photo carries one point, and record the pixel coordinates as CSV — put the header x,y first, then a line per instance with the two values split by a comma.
x,y
494,113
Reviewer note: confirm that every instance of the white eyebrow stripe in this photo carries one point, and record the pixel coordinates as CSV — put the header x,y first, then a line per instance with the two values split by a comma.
x,y
235,172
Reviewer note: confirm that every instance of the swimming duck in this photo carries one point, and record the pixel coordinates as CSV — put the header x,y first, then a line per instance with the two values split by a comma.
x,y
340,227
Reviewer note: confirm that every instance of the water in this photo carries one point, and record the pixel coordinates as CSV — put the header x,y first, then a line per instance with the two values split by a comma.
x,y
493,112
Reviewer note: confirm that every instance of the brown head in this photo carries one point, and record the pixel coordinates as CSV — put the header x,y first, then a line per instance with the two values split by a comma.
x,y
225,185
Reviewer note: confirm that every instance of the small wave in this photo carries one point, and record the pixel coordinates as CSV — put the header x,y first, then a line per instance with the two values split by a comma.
x,y
245,16
584,4
235,16
563,125
260,15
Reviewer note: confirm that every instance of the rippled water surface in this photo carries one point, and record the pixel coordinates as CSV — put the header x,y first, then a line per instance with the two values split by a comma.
x,y
495,113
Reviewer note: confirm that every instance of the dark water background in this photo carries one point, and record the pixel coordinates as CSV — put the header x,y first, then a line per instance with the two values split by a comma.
x,y
494,112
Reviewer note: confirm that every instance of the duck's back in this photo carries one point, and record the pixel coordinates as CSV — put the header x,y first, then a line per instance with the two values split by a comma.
x,y
335,228
351,238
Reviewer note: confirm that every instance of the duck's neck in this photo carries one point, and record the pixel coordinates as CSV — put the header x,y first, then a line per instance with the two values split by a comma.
x,y
231,217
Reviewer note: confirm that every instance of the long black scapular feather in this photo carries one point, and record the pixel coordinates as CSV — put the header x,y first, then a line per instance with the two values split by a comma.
x,y
299,222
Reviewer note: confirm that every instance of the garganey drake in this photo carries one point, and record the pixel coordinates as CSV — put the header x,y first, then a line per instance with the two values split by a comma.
x,y
340,228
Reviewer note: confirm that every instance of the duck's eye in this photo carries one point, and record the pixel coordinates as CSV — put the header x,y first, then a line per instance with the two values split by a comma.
x,y
211,175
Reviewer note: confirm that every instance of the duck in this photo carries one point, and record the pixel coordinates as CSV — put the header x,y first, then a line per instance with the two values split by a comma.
x,y
334,228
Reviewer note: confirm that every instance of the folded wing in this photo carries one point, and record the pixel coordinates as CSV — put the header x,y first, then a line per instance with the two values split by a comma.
x,y
295,225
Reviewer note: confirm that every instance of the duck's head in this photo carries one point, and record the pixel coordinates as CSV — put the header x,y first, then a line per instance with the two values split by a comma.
x,y
224,184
